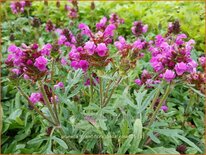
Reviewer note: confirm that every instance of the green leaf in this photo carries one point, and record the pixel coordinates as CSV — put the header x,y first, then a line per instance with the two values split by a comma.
x,y
102,124
140,96
124,127
137,132
147,101
126,145
17,100
11,148
160,150
175,133
189,143
60,142
153,137
36,140
15,114
107,142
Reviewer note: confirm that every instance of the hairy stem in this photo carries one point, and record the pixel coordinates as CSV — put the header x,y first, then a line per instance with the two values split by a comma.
x,y
53,96
107,90
159,105
91,88
156,111
115,86
47,101
155,99
35,108
100,91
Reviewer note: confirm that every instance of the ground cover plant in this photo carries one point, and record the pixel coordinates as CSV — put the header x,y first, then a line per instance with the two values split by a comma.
x,y
102,77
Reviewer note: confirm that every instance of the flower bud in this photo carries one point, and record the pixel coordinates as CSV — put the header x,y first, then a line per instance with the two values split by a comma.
x,y
92,6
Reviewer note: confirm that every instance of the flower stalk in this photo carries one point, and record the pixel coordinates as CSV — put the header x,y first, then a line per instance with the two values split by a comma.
x,y
47,101
168,89
35,108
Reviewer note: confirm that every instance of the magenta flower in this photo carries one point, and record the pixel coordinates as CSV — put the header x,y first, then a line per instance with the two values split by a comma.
x,y
157,66
149,82
59,85
144,29
81,50
169,75
138,82
191,66
35,46
189,45
63,61
62,39
138,28
85,30
179,38
84,65
202,60
12,48
114,19
120,45
101,49
72,13
139,44
101,24
16,51
58,31
16,71
74,55
159,40
90,47
180,68
46,49
109,31
41,63
35,97
75,64
15,56
164,108
17,7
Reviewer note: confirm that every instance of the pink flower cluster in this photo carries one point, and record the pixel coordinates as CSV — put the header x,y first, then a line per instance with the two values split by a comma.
x,y
36,97
94,52
124,47
72,11
59,85
202,61
173,27
146,79
199,78
66,38
138,28
18,7
171,56
28,60
114,19
130,52
50,26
